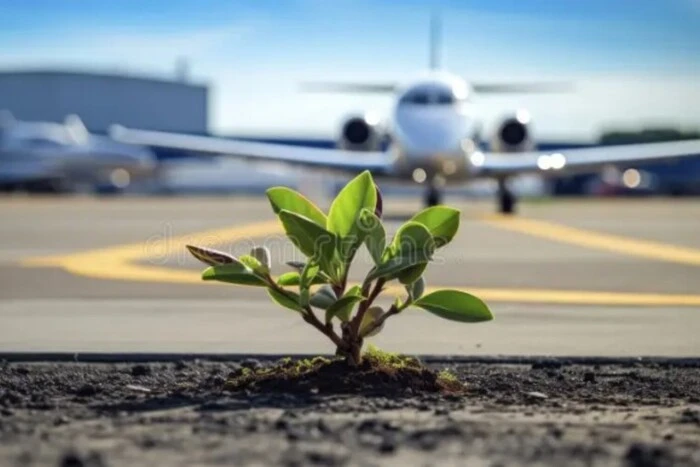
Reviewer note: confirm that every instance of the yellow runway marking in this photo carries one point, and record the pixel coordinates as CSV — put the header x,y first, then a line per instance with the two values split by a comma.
x,y
586,238
120,263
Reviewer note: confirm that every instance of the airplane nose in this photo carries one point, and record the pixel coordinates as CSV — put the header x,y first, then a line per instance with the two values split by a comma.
x,y
430,132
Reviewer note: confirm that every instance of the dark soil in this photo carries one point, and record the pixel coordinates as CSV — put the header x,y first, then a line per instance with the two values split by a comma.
x,y
378,374
188,413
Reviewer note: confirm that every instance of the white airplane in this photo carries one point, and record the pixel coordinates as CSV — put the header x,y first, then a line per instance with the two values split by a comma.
x,y
58,157
434,137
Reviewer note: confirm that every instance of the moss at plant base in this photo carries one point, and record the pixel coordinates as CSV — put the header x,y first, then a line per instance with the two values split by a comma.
x,y
379,373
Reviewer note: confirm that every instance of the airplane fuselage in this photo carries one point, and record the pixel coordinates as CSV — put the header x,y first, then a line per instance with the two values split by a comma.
x,y
434,130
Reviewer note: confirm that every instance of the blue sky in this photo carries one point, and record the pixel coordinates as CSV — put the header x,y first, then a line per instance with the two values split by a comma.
x,y
634,62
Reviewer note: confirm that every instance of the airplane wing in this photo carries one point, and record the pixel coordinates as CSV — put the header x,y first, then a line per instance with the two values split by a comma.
x,y
353,88
521,88
582,160
565,162
379,163
479,87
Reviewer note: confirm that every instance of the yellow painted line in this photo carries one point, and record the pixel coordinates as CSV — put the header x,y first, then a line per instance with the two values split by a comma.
x,y
120,263
595,240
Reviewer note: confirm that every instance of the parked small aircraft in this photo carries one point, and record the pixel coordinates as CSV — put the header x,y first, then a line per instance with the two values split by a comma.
x,y
55,157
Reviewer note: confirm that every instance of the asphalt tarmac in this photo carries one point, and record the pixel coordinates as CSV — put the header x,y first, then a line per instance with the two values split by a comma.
x,y
563,277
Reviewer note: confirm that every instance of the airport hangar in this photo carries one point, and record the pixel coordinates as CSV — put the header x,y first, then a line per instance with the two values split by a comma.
x,y
102,99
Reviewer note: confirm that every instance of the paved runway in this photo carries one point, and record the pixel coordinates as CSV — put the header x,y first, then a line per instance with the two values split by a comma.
x,y
565,277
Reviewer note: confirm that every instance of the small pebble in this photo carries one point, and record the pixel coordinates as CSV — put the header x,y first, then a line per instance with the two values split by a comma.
x,y
589,377
137,388
140,370
387,446
71,460
87,390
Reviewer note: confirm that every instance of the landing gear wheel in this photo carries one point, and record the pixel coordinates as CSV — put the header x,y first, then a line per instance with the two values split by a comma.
x,y
506,198
433,197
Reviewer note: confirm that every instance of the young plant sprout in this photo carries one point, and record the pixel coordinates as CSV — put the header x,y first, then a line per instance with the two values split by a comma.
x,y
318,288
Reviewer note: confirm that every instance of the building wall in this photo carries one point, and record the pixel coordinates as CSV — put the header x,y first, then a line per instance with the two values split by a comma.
x,y
101,100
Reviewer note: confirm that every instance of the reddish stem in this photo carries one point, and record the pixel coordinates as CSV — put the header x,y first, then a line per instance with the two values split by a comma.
x,y
364,306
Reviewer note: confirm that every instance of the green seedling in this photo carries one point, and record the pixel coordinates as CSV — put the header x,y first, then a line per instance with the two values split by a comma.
x,y
318,288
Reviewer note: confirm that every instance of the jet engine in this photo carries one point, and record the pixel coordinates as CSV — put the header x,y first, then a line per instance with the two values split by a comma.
x,y
513,134
360,133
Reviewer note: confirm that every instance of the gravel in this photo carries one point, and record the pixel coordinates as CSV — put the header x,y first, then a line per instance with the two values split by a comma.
x,y
178,413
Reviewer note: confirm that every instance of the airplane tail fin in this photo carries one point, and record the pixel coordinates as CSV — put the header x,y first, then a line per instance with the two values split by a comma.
x,y
74,124
434,62
435,38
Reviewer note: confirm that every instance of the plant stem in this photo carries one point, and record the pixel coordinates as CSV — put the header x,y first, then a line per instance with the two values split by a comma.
x,y
327,329
364,306
310,317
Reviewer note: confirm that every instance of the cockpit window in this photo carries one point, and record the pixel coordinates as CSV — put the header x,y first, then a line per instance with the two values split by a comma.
x,y
416,97
429,96
445,97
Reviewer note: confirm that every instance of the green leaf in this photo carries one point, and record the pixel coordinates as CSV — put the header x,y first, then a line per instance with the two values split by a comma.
x,y
313,240
308,274
441,221
255,265
390,269
294,278
285,300
324,298
343,306
289,278
410,275
355,291
234,273
412,245
210,256
455,305
415,290
372,315
283,198
375,239
413,238
344,212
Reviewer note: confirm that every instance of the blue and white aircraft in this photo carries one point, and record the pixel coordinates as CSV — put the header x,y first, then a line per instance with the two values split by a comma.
x,y
52,157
